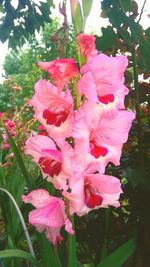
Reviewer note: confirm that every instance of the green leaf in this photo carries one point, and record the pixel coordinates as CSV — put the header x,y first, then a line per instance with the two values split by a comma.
x,y
47,254
126,5
18,253
18,158
107,40
2,175
120,255
125,35
136,30
77,16
87,5
45,9
144,49
147,32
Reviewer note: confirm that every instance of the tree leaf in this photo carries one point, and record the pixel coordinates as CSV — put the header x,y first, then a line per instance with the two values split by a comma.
x,y
107,40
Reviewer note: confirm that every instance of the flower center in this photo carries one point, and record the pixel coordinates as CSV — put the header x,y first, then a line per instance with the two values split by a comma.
x,y
50,166
55,118
98,151
106,99
92,199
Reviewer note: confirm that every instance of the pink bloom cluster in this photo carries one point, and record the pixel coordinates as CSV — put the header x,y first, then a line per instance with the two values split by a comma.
x,y
10,125
80,143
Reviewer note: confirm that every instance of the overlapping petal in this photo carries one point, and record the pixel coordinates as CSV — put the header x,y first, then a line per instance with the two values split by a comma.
x,y
86,45
49,215
45,154
61,70
92,191
103,80
101,137
54,110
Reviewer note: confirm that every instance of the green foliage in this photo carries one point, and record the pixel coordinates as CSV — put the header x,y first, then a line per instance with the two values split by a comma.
x,y
86,7
119,256
108,34
47,255
21,68
19,159
17,253
19,23
97,235
125,30
77,16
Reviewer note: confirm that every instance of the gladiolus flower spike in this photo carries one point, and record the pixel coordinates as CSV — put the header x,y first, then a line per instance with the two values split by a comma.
x,y
78,144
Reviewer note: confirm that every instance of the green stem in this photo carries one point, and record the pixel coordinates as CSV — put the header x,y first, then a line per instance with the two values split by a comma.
x,y
71,248
137,105
76,94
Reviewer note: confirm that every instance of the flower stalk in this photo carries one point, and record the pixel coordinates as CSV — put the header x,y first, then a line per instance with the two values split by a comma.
x,y
71,248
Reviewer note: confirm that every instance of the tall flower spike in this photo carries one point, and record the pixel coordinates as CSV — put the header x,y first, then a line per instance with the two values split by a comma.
x,y
99,128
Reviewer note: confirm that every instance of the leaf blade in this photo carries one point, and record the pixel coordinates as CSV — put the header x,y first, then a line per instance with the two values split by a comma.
x,y
18,157
120,255
18,253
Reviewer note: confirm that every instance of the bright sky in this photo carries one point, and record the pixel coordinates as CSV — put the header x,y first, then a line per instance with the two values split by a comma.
x,y
94,22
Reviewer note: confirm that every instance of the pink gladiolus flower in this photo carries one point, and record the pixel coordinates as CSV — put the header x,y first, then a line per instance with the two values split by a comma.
x,y
54,110
73,165
11,155
45,154
92,191
61,70
10,124
103,80
86,45
100,135
5,146
49,215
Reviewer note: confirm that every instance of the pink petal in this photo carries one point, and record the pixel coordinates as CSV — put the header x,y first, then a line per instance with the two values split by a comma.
x,y
38,198
39,145
87,87
49,216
